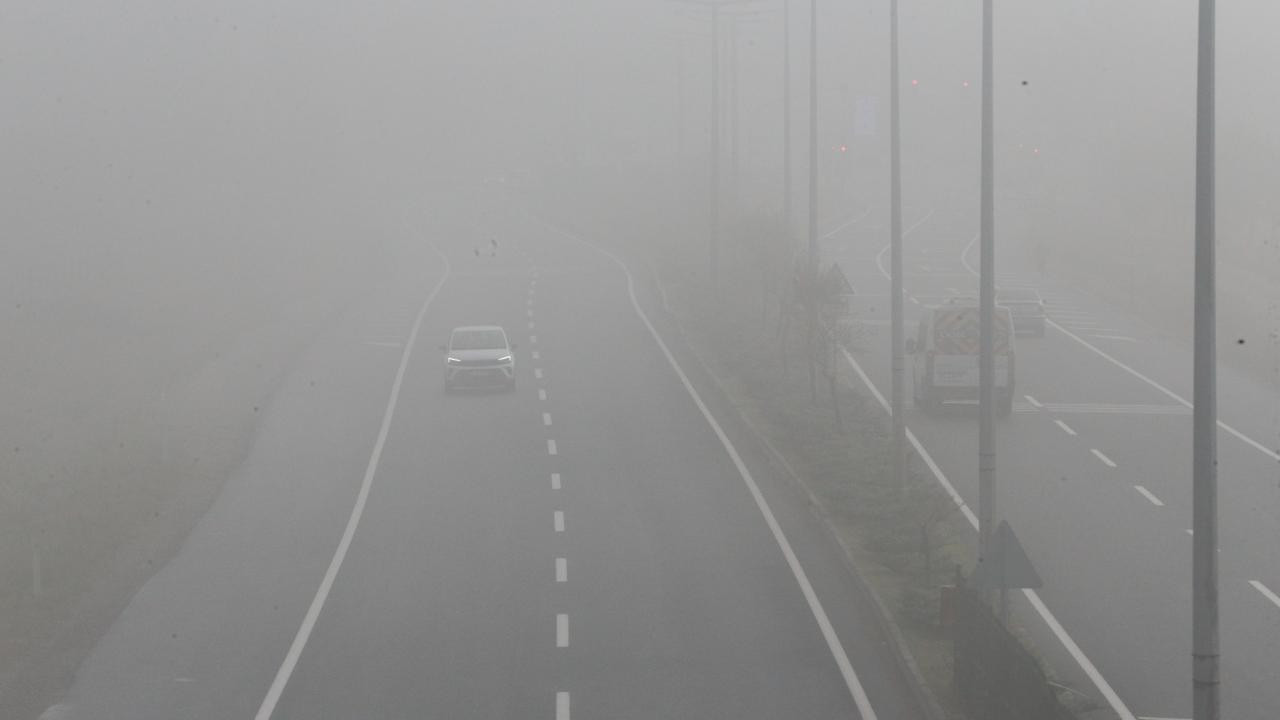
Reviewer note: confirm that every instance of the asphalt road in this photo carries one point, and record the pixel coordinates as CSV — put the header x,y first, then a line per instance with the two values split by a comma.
x,y
1094,474
585,546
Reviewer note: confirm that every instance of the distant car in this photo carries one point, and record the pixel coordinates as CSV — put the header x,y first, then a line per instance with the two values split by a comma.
x,y
1027,308
479,356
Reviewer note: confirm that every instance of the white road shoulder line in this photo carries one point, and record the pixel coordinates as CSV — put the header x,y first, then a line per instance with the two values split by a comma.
x,y
1149,495
562,706
558,519
1105,460
1032,596
555,481
562,570
1065,427
562,630
834,645
285,671
1266,592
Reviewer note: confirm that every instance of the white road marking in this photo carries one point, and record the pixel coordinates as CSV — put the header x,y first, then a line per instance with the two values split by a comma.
x,y
1149,495
537,355
1121,338
1266,592
529,302
531,325
562,630
559,520
529,312
885,249
1032,596
562,706
546,418
952,290
562,570
1065,427
852,221
285,671
542,394
1189,531
912,299
1181,400
551,446
1116,409
533,339
834,645
555,481
1105,460
537,373
1033,401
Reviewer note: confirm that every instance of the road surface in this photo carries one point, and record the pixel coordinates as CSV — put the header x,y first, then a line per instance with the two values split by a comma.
x,y
585,546
1094,473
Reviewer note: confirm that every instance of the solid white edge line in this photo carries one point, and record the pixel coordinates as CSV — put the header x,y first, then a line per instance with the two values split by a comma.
x,y
1176,397
285,671
885,249
562,630
562,706
555,481
815,605
1049,618
1266,592
562,570
1149,495
1105,460
1065,428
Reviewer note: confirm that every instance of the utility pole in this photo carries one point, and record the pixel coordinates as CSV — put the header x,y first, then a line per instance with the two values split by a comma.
x,y
715,150
1205,678
813,140
734,116
986,304
786,123
897,362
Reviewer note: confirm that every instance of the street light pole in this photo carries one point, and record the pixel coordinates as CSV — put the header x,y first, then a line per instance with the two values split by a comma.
x,y
786,123
813,140
897,362
1205,678
986,303
715,150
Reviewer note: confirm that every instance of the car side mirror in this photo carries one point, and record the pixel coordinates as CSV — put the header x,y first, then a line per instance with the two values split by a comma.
x,y
911,346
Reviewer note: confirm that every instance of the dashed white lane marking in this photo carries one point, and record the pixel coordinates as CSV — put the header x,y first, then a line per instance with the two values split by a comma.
x,y
551,446
1034,402
1149,495
562,570
562,630
555,481
531,325
1065,427
537,373
529,302
529,312
281,679
542,394
533,339
562,706
537,355
1121,338
1266,592
1091,670
546,418
1105,460
559,521
834,646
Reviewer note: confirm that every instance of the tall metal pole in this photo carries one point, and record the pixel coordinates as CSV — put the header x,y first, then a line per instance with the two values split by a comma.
x,y
986,303
786,123
813,140
897,362
715,149
1204,495
734,116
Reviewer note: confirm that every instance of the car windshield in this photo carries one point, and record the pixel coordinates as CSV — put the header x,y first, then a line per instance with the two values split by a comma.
x,y
478,340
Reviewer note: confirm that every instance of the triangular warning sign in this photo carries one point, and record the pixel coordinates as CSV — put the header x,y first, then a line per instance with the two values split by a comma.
x,y
1008,566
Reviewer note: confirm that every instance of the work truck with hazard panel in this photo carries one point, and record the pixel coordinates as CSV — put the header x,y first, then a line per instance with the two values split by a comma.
x,y
944,356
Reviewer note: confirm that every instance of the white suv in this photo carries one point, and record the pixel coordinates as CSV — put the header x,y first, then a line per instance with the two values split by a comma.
x,y
479,356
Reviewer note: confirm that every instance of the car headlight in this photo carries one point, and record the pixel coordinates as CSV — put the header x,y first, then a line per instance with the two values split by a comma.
x,y
504,358
454,361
